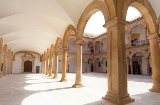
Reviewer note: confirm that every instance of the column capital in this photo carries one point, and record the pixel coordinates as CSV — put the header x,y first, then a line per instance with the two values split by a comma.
x,y
115,22
79,42
65,49
55,53
153,36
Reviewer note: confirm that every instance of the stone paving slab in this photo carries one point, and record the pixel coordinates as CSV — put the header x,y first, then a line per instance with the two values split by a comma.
x,y
38,89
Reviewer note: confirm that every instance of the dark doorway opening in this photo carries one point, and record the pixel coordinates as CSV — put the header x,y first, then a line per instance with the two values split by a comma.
x,y
27,66
91,67
136,68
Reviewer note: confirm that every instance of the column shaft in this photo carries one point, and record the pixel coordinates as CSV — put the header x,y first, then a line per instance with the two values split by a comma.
x,y
46,66
131,66
50,67
64,66
78,81
4,64
0,64
155,56
56,66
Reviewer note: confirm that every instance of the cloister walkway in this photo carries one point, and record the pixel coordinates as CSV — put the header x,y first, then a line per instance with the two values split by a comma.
x,y
38,89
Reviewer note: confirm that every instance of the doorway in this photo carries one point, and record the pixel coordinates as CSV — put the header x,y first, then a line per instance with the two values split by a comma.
x,y
27,66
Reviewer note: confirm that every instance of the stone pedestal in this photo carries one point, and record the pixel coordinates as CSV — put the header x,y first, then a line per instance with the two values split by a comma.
x,y
64,65
56,66
78,81
116,60
155,56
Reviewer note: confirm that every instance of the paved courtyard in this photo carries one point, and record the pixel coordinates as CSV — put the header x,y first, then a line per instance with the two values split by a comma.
x,y
38,89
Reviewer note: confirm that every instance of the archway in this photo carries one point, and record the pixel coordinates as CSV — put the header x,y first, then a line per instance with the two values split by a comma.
x,y
71,64
90,48
104,65
90,65
98,47
27,66
98,65
104,45
137,62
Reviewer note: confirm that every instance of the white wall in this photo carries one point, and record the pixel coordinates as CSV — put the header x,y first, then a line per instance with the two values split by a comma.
x,y
104,46
59,63
72,64
104,65
98,69
144,66
18,62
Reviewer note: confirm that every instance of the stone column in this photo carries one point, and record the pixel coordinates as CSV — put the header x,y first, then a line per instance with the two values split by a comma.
x,y
4,59
131,66
64,65
46,66
0,64
7,64
86,64
50,66
78,80
148,66
56,66
155,56
116,58
140,63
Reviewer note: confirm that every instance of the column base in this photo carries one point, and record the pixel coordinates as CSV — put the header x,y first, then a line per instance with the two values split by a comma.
x,y
55,77
156,90
77,86
49,75
115,98
63,80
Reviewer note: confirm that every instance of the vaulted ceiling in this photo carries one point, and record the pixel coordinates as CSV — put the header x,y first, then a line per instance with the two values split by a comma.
x,y
34,25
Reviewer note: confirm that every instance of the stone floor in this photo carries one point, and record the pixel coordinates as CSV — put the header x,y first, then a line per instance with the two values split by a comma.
x,y
38,89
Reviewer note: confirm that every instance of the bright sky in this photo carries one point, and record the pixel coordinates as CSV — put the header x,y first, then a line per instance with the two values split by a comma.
x,y
96,22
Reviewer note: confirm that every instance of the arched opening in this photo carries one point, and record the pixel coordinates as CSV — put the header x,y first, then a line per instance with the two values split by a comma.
x,y
71,64
104,45
72,45
149,65
98,65
104,65
90,48
98,47
60,58
137,63
90,65
27,66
